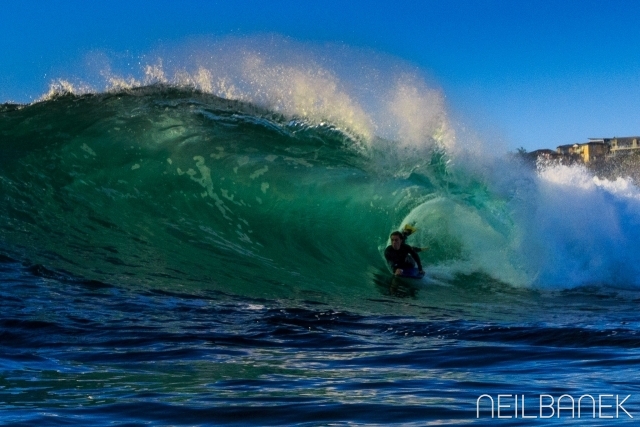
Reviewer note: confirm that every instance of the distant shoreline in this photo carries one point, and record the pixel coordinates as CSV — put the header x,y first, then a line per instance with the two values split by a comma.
x,y
623,164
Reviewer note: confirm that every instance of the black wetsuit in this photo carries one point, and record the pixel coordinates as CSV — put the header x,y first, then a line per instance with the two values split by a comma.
x,y
399,259
415,248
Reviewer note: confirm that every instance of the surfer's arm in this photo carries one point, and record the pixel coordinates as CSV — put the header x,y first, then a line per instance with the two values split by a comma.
x,y
416,257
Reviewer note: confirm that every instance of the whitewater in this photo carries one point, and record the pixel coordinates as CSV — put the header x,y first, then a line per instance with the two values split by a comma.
x,y
202,245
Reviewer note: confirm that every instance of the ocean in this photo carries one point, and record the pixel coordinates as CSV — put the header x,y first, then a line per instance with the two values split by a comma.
x,y
170,257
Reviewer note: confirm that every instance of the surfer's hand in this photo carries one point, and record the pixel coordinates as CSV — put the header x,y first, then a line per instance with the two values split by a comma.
x,y
398,272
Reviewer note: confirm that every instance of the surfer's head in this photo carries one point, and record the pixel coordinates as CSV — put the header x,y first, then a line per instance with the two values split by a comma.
x,y
396,239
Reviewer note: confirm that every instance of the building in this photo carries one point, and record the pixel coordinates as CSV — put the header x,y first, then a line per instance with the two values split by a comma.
x,y
594,150
567,150
570,152
621,146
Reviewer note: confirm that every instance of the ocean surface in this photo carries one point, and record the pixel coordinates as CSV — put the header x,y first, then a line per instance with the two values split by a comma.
x,y
170,257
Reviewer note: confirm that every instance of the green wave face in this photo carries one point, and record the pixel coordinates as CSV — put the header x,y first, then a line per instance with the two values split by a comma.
x,y
168,186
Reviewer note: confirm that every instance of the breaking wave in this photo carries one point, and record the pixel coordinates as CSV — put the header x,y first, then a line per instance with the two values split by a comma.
x,y
272,179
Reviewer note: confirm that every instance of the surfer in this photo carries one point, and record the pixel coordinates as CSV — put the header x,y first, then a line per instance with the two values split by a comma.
x,y
397,255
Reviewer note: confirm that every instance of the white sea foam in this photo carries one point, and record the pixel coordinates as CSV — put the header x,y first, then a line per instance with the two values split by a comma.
x,y
581,229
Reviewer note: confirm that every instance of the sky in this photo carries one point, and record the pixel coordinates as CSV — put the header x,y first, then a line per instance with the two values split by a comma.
x,y
532,74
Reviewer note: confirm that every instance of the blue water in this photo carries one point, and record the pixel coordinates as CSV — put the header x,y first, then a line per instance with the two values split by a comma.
x,y
174,258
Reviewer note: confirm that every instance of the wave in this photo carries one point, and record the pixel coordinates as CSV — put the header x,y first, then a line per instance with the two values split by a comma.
x,y
164,185
170,184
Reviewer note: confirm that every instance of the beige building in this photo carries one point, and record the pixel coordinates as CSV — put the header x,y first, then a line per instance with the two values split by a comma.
x,y
624,145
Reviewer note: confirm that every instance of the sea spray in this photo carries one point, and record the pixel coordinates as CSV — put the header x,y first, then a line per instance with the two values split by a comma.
x,y
369,95
584,228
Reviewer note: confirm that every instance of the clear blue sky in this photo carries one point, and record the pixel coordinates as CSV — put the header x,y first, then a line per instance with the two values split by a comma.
x,y
533,73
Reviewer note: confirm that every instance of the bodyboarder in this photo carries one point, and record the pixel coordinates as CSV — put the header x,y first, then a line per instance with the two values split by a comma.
x,y
399,255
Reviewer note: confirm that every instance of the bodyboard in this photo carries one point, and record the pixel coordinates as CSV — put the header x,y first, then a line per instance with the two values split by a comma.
x,y
411,273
